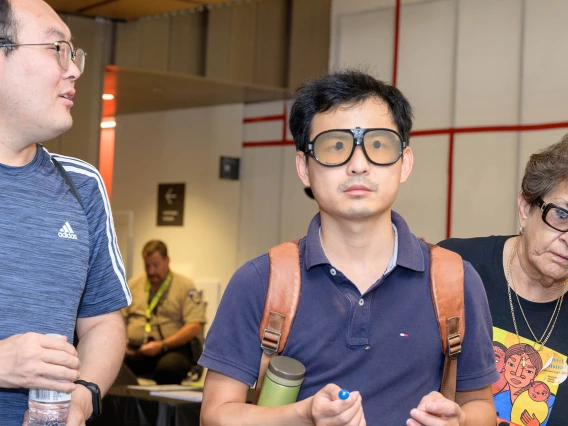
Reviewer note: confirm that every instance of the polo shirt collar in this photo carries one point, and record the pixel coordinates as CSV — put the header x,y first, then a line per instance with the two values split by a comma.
x,y
409,255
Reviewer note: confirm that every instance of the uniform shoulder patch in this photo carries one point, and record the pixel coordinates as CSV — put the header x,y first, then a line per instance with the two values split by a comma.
x,y
195,296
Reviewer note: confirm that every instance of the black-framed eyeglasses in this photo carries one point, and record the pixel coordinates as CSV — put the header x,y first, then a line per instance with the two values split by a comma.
x,y
335,147
554,216
65,53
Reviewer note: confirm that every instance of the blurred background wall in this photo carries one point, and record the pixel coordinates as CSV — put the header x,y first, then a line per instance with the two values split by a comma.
x,y
485,77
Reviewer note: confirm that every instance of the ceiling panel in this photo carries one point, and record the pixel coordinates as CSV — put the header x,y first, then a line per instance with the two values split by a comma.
x,y
71,5
141,91
128,9
132,9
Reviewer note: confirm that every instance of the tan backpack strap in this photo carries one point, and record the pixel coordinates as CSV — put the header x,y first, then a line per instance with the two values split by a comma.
x,y
282,298
447,287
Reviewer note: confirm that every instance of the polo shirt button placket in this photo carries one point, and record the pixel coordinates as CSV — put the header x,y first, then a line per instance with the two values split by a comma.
x,y
361,302
333,272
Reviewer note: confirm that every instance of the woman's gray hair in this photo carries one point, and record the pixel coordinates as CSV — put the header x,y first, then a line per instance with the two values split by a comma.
x,y
545,170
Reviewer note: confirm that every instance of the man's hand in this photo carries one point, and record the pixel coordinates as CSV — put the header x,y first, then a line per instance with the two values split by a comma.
x,y
152,348
328,410
37,361
435,410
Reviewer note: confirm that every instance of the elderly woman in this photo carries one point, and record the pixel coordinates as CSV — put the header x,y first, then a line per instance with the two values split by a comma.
x,y
525,279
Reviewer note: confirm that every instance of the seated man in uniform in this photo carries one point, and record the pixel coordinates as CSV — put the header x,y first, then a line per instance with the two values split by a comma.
x,y
165,321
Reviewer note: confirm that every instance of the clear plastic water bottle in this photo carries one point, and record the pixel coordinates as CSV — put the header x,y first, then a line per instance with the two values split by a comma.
x,y
43,413
48,407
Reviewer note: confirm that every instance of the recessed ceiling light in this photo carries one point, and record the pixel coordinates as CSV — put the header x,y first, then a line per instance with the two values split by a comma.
x,y
108,124
108,97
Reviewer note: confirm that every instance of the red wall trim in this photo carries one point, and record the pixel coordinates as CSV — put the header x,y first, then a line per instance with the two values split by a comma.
x,y
451,132
448,131
265,118
492,129
266,143
396,38
450,185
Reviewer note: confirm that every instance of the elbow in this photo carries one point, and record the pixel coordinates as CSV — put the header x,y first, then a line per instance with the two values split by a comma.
x,y
206,417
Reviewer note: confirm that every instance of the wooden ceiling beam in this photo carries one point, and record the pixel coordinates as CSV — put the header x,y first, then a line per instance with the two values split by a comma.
x,y
128,9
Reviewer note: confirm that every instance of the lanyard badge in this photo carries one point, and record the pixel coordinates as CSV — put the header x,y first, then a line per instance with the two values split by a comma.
x,y
153,303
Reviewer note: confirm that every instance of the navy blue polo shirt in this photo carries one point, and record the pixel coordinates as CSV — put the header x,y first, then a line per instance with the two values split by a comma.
x,y
384,343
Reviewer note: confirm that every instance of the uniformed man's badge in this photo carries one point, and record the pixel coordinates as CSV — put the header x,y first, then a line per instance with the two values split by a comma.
x,y
195,296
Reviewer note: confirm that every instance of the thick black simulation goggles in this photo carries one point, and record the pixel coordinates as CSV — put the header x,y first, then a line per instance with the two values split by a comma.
x,y
336,147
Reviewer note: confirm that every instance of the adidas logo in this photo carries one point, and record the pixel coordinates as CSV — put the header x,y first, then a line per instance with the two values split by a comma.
x,y
67,232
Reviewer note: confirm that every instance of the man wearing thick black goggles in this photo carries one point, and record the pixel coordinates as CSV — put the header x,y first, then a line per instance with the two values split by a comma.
x,y
336,147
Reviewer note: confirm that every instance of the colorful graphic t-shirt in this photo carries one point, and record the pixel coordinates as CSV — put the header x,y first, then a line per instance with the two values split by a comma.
x,y
530,379
532,389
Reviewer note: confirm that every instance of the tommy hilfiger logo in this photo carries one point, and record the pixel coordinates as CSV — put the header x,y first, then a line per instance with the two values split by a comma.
x,y
67,232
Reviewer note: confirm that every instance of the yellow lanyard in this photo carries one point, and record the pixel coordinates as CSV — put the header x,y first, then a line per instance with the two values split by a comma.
x,y
154,302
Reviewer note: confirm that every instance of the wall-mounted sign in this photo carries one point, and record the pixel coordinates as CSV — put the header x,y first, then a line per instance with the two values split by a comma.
x,y
171,199
229,168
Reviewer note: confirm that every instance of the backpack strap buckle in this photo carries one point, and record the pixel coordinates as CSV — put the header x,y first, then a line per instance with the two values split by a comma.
x,y
454,345
270,341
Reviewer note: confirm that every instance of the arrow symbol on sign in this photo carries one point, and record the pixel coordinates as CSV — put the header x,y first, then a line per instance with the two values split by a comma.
x,y
170,196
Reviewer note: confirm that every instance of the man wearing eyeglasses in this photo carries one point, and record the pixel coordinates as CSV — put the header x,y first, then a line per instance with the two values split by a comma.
x,y
60,268
365,320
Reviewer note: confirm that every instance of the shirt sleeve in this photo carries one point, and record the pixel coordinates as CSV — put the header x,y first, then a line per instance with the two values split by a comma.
x,y
232,346
193,305
476,363
106,289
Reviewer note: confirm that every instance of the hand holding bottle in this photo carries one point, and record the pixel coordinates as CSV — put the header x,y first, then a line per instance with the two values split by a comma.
x,y
47,407
33,360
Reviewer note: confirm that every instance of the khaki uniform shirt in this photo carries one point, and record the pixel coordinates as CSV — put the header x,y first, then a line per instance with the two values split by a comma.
x,y
181,304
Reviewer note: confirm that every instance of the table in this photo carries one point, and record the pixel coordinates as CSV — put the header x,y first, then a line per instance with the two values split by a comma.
x,y
135,407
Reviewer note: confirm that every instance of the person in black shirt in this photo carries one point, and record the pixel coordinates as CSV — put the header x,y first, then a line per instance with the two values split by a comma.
x,y
525,278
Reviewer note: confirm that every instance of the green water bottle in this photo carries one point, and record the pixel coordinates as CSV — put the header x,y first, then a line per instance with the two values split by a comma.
x,y
282,382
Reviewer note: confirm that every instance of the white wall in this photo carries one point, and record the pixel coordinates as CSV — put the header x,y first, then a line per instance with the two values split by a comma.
x,y
274,207
182,146
464,64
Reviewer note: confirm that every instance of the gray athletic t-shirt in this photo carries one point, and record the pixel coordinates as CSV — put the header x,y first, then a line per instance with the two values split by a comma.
x,y
58,261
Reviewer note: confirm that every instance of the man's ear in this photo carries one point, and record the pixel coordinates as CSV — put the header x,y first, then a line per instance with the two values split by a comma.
x,y
302,167
407,164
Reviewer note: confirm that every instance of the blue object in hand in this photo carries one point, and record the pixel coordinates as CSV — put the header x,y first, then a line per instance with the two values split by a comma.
x,y
343,394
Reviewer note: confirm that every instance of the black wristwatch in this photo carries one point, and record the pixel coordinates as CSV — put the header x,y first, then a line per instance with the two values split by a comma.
x,y
97,401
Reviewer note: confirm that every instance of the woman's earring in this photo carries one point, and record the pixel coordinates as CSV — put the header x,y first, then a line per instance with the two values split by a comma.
x,y
520,230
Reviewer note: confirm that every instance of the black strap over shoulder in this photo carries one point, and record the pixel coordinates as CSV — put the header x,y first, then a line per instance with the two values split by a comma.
x,y
68,181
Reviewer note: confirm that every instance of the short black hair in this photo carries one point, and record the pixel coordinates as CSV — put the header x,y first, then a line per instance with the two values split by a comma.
x,y
344,88
8,25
